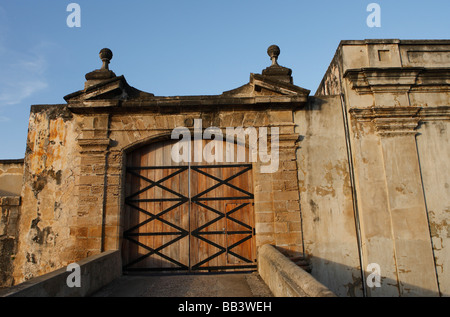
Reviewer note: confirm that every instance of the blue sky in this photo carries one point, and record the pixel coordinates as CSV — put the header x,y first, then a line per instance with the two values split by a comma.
x,y
181,47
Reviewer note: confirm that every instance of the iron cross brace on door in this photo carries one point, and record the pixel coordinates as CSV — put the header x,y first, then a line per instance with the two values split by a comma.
x,y
201,233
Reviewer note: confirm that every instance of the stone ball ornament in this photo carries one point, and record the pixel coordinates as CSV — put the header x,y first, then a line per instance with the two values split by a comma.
x,y
273,51
106,55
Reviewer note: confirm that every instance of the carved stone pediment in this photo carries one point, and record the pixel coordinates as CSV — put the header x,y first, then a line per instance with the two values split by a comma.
x,y
115,88
261,85
274,80
103,84
103,89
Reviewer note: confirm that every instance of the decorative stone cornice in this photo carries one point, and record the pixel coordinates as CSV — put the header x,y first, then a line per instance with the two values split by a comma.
x,y
433,80
368,114
435,113
423,113
383,80
93,146
400,120
396,126
390,120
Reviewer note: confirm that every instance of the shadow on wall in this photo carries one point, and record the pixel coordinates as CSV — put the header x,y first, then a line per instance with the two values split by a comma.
x,y
314,104
325,270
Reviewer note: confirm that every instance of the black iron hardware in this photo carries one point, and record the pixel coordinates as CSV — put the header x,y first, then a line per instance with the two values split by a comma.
x,y
198,233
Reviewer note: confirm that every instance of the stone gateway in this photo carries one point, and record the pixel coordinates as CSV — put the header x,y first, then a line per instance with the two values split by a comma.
x,y
360,175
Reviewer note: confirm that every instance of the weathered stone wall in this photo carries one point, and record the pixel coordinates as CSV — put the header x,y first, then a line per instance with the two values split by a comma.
x,y
284,278
433,141
326,198
73,195
331,82
49,194
96,272
9,214
11,173
397,106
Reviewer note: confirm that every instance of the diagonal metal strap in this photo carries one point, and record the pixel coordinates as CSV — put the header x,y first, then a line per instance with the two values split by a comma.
x,y
180,233
200,235
222,182
221,250
235,245
158,183
238,221
156,251
181,200
221,215
156,217
197,232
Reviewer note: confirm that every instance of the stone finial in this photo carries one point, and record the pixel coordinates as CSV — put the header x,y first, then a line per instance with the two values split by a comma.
x,y
106,55
274,51
275,71
102,74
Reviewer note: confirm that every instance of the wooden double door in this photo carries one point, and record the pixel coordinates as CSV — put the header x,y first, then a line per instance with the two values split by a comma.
x,y
187,217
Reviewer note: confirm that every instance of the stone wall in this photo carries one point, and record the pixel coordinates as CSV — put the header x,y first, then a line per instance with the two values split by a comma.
x,y
326,197
395,98
284,278
9,217
11,173
277,214
433,141
73,197
49,195
96,272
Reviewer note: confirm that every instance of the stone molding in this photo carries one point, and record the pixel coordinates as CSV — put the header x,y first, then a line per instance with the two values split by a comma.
x,y
399,120
434,114
93,145
383,80
398,79
390,120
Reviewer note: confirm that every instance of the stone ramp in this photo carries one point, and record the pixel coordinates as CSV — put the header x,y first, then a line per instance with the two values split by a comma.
x,y
187,285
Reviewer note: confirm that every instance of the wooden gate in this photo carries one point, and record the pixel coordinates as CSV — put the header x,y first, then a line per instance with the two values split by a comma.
x,y
186,217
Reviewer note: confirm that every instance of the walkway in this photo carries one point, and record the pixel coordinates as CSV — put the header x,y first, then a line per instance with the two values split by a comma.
x,y
187,285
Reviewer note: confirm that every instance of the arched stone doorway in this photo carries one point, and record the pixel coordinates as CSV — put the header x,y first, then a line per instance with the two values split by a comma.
x,y
188,216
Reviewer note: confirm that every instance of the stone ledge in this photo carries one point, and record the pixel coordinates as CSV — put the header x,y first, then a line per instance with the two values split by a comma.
x,y
285,278
96,272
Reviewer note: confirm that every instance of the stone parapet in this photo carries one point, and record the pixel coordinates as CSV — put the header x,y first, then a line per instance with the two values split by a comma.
x,y
95,272
285,278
